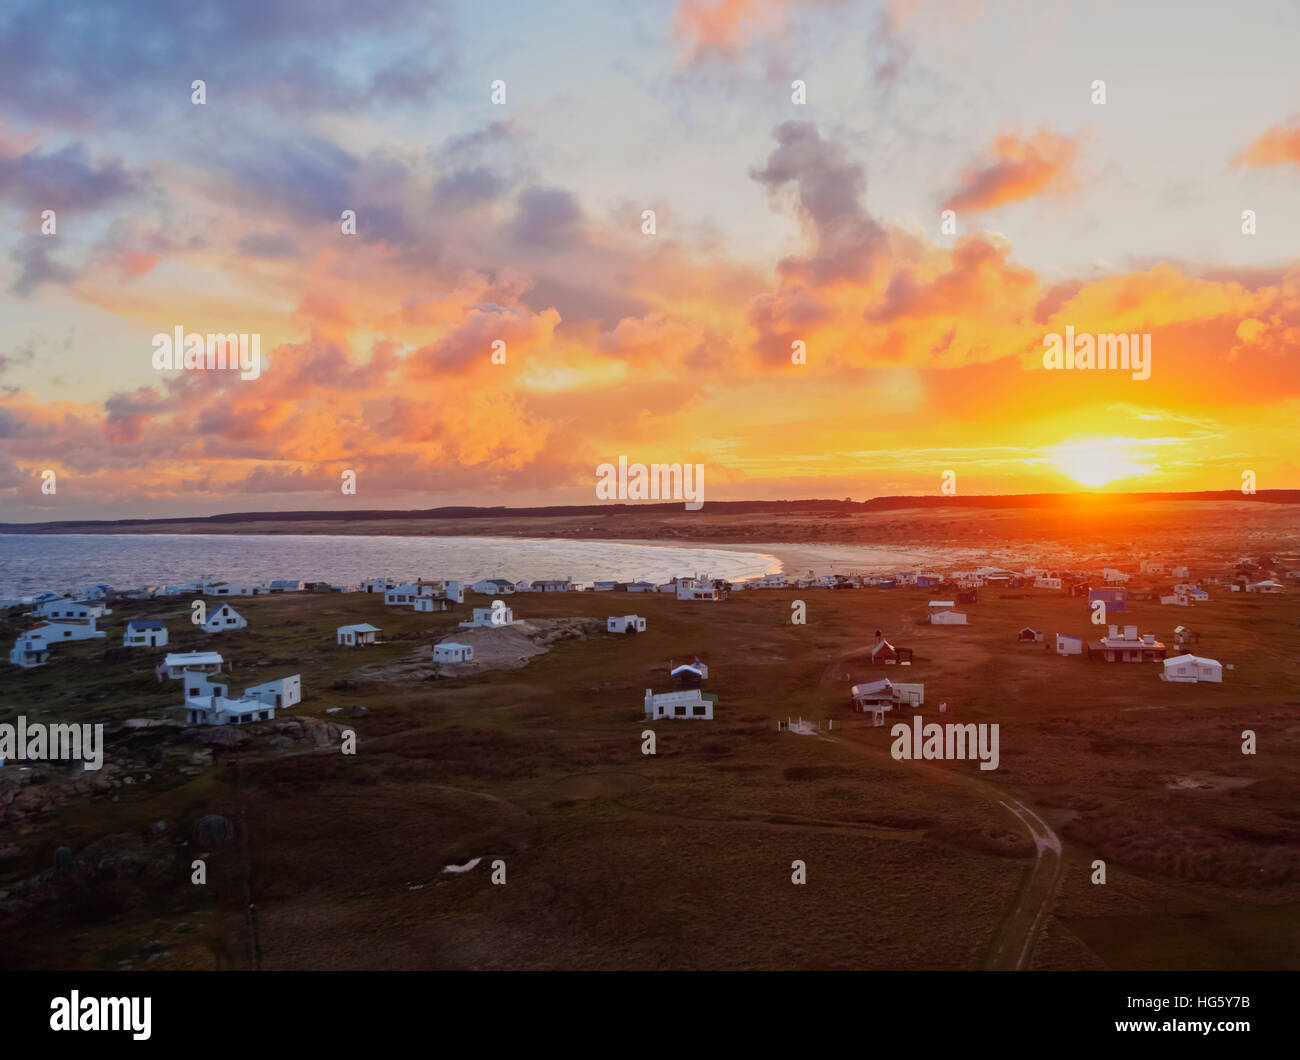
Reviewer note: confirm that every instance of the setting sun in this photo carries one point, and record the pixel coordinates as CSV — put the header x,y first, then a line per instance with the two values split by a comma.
x,y
1099,461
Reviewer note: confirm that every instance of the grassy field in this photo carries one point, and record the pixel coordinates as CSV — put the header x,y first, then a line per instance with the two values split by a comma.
x,y
616,859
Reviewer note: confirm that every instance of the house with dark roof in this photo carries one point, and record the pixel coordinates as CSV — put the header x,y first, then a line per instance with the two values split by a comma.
x,y
144,633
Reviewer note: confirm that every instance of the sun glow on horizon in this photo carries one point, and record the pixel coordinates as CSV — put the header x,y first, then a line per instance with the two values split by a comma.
x,y
1099,461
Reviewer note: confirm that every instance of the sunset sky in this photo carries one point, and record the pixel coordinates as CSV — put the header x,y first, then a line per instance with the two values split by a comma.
x,y
522,221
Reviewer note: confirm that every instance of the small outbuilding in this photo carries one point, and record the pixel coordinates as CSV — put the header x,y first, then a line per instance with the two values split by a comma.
x,y
145,633
625,624
1067,645
1189,669
357,635
948,618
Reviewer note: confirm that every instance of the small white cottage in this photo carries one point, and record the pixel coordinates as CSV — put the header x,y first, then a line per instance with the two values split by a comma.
x,y
948,618
177,662
145,633
224,619
356,635
1067,645
493,586
625,624
494,617
693,704
451,652
1188,669
29,653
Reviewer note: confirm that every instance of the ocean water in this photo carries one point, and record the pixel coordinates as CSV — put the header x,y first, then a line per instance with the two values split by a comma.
x,y
36,563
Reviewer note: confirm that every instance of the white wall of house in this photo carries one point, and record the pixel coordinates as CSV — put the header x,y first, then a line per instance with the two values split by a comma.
x,y
1187,669
138,637
678,705
622,623
74,610
451,652
223,620
357,635
280,693
29,653
948,618
491,617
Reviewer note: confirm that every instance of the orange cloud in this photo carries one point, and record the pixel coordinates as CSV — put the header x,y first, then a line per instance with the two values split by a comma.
x,y
723,26
1276,147
1019,169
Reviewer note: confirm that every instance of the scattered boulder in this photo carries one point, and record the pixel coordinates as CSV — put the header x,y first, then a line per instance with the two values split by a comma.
x,y
224,736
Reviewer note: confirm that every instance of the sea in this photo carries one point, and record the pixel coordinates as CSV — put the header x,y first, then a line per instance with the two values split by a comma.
x,y
35,563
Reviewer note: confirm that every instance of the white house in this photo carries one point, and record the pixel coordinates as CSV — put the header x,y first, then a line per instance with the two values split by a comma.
x,y
59,632
498,586
207,703
282,585
692,704
948,618
75,610
1150,566
690,589
1198,596
693,669
1047,583
1128,647
450,590
375,585
356,635
1191,668
224,619
431,603
874,697
1180,572
29,652
451,652
909,694
641,587
403,595
941,605
283,692
603,587
494,616
1268,586
1067,645
1178,599
770,581
1110,574
233,589
625,624
553,585
178,662
145,633
97,592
